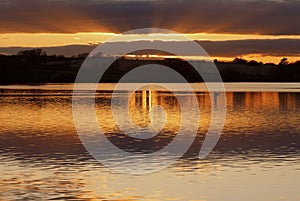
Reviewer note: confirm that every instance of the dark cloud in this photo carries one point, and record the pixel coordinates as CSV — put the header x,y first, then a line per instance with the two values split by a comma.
x,y
279,47
218,16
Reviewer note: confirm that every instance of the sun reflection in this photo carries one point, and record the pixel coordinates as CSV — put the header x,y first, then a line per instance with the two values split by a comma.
x,y
46,114
40,149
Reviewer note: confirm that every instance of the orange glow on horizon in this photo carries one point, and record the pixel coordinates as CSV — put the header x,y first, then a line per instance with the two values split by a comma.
x,y
91,38
60,39
256,57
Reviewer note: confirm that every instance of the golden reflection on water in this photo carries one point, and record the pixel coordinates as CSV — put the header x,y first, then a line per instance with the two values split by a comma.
x,y
247,105
48,114
42,158
139,107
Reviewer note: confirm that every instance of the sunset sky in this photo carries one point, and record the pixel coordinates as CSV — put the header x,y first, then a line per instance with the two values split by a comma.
x,y
265,30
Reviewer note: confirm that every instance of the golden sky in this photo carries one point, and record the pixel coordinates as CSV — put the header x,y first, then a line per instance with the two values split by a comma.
x,y
84,38
48,23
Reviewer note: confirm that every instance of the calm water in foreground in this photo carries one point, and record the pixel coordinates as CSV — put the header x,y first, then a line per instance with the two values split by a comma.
x,y
256,158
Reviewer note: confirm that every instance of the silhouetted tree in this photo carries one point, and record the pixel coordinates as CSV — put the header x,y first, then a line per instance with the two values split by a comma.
x,y
283,62
253,63
32,53
239,61
296,63
270,64
83,55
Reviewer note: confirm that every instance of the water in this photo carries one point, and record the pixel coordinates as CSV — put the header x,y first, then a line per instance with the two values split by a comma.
x,y
257,157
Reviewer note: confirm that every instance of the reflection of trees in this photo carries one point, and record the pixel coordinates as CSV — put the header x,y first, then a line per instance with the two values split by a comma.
x,y
288,100
49,129
142,102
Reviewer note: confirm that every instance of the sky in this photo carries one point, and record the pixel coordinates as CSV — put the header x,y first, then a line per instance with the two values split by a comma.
x,y
257,28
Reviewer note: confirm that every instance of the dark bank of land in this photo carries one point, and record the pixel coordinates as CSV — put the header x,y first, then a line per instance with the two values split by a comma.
x,y
35,66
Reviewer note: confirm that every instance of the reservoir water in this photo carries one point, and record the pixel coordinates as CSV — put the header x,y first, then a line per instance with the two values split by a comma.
x,y
257,156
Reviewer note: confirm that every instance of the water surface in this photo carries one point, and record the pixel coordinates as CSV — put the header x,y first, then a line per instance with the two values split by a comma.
x,y
257,157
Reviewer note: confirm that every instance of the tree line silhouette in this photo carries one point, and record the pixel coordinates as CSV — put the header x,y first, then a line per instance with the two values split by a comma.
x,y
35,66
